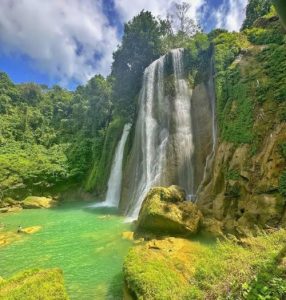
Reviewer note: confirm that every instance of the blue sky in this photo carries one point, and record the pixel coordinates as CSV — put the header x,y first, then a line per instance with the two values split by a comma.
x,y
66,42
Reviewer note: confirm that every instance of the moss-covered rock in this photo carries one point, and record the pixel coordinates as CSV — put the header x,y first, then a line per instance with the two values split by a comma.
x,y
31,230
176,268
10,205
38,202
166,211
8,237
34,285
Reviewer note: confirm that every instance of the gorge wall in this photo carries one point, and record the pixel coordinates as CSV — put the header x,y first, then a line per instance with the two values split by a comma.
x,y
245,189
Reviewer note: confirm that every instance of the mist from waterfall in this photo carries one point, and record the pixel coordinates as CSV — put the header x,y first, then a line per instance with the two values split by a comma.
x,y
163,142
115,179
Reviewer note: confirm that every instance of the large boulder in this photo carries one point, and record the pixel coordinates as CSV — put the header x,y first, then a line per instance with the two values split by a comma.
x,y
166,211
38,202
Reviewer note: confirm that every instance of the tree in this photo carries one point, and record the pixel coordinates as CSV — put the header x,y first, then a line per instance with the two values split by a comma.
x,y
181,21
140,46
254,10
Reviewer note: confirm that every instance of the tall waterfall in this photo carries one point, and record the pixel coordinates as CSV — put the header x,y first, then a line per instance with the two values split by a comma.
x,y
115,178
163,144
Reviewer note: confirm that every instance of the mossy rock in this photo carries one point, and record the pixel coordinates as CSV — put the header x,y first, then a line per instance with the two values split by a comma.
x,y
38,202
33,285
176,268
165,211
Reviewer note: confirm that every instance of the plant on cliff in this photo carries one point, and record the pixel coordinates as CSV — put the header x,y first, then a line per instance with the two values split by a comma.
x,y
254,10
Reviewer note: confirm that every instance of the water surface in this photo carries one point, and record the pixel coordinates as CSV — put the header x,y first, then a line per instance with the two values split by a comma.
x,y
84,242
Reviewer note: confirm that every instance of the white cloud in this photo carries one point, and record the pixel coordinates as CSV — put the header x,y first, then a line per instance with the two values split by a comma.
x,y
128,9
230,14
60,36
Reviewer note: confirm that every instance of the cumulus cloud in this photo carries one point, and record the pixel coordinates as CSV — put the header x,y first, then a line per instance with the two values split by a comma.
x,y
61,37
128,9
230,14
71,40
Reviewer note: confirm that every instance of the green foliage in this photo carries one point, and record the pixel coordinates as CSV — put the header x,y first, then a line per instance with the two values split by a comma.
x,y
254,10
247,77
262,36
197,270
104,152
33,285
141,45
283,150
282,184
232,174
47,135
269,283
280,8
273,60
235,107
227,47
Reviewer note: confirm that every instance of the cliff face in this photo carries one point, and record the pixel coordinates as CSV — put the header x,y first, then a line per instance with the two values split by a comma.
x,y
246,184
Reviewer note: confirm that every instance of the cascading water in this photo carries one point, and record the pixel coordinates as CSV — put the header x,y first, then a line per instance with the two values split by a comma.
x,y
115,179
163,145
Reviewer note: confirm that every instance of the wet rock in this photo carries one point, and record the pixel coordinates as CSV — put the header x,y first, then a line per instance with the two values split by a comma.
x,y
164,211
128,235
31,230
38,202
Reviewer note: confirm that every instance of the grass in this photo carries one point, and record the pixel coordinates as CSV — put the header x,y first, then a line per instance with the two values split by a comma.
x,y
184,269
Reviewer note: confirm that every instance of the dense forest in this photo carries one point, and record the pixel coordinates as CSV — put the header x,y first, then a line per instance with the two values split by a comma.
x,y
62,138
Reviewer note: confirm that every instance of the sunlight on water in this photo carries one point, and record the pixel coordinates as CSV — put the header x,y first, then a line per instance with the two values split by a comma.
x,y
84,242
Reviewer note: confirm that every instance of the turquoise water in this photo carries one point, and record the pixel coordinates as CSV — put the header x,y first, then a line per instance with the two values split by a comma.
x,y
84,242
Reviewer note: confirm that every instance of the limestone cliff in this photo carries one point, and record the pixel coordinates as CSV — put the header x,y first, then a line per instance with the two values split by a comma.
x,y
245,187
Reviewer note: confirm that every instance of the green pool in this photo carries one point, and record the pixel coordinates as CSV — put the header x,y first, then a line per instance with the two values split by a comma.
x,y
84,242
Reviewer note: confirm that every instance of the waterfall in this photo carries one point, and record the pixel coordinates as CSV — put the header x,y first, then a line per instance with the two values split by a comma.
x,y
115,179
163,145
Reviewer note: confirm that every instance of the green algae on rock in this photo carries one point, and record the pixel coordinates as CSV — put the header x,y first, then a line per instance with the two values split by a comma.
x,y
166,211
33,285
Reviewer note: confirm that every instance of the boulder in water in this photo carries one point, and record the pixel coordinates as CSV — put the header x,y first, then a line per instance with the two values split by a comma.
x,y
128,235
38,202
166,211
31,230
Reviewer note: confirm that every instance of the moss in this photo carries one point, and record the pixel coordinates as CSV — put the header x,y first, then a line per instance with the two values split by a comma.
x,y
165,211
182,269
237,115
33,285
261,36
152,278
